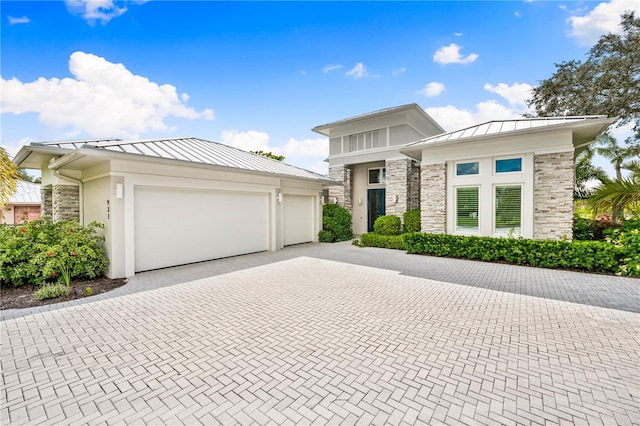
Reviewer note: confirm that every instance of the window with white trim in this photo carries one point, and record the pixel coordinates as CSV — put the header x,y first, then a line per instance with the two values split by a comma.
x,y
368,140
508,209
377,176
509,165
466,214
465,169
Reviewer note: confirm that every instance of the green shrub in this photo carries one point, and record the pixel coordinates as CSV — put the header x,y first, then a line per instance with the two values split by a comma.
x,y
51,291
596,256
627,241
88,291
582,229
412,221
336,224
382,241
42,251
593,229
387,225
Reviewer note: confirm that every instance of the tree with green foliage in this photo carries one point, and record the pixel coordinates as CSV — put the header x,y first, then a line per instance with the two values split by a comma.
x,y
609,148
615,196
269,154
585,172
8,178
608,82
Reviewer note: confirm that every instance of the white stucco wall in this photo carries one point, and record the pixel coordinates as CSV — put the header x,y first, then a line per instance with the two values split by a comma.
x,y
360,185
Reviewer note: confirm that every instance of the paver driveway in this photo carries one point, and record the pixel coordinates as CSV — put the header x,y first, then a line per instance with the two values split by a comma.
x,y
331,334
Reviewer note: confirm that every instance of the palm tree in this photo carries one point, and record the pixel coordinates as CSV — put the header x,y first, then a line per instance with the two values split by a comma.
x,y
616,195
585,172
608,147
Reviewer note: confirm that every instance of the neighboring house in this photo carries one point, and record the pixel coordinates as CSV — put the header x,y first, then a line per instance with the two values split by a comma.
x,y
174,201
508,177
24,205
364,154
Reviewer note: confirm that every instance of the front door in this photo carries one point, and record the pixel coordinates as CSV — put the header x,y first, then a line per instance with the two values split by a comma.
x,y
375,206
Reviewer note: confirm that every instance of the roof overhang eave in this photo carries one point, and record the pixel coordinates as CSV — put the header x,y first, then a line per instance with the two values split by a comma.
x,y
83,152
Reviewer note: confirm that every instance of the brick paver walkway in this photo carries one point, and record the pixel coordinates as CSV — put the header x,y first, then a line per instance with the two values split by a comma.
x,y
331,334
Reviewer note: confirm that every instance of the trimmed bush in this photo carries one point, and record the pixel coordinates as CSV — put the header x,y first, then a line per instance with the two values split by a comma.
x,y
42,251
336,224
627,240
387,225
596,256
412,221
382,241
51,291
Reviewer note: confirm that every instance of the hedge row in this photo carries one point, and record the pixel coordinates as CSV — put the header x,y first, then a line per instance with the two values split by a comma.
x,y
595,256
383,241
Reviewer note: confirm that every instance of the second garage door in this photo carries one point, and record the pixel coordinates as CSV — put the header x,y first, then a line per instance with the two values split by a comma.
x,y
179,226
298,219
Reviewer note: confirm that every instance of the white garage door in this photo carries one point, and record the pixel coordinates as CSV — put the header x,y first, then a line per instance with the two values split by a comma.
x,y
178,226
298,219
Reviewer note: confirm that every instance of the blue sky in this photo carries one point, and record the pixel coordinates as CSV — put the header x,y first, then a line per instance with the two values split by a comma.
x,y
260,75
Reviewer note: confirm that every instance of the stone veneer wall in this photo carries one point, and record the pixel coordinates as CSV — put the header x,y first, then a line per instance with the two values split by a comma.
x,y
397,185
554,181
66,202
341,193
403,180
414,186
433,198
46,196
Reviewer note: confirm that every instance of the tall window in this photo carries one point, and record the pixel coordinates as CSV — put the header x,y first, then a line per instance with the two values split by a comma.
x,y
467,209
508,209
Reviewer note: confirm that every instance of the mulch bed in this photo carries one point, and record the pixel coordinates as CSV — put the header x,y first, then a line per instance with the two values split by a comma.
x,y
23,296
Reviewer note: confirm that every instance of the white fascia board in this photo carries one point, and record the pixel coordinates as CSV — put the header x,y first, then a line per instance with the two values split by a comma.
x,y
359,157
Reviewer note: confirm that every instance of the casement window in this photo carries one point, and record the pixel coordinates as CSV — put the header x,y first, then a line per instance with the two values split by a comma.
x,y
509,165
467,209
377,176
465,169
508,209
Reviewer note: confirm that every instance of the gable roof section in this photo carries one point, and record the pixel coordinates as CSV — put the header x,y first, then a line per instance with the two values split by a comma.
x,y
374,114
187,149
26,193
503,127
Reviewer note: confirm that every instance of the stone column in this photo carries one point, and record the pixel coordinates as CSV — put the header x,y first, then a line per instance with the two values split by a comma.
x,y
414,186
66,202
397,186
553,184
341,193
46,201
433,198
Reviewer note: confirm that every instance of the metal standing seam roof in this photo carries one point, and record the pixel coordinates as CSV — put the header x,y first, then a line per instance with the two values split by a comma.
x,y
193,150
497,127
26,193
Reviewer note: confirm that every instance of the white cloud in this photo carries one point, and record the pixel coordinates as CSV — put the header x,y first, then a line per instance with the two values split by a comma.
x,y
358,71
99,10
603,19
21,20
318,147
451,55
13,147
458,34
517,14
432,89
103,99
251,140
516,94
398,71
453,118
329,68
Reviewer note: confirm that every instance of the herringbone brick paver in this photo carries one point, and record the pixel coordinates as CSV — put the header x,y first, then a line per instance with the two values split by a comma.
x,y
331,334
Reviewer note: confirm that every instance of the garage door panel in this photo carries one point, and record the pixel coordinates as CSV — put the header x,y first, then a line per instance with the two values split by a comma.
x,y
298,219
178,226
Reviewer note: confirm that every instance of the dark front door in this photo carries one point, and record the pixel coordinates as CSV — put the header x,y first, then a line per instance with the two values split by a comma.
x,y
375,206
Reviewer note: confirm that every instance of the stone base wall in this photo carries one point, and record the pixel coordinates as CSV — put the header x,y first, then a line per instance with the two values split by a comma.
x,y
402,186
433,198
414,186
342,194
66,202
46,196
554,181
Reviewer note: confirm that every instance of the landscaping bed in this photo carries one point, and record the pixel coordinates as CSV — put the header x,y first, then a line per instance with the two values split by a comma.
x,y
24,296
